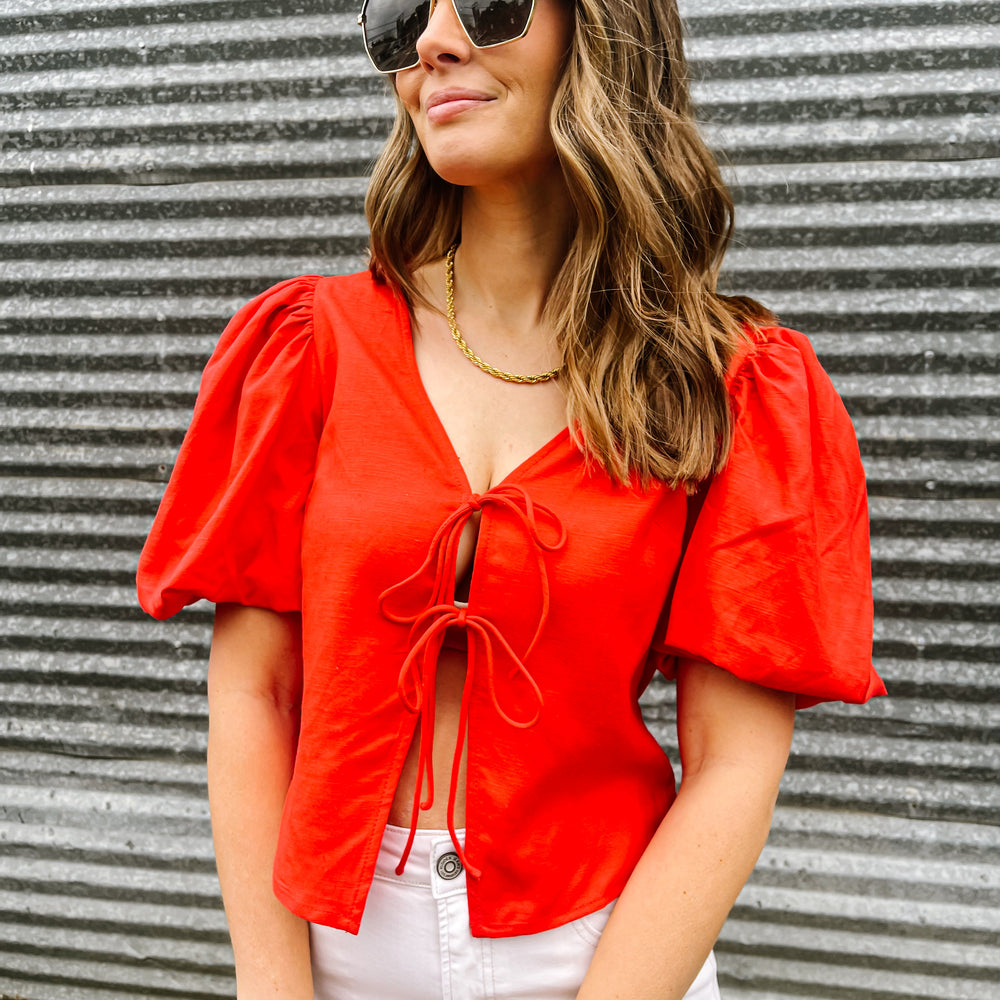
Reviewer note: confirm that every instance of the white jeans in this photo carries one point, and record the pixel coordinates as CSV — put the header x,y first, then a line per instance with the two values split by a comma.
x,y
414,941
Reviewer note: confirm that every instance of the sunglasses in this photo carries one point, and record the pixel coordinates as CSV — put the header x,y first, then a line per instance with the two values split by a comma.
x,y
392,27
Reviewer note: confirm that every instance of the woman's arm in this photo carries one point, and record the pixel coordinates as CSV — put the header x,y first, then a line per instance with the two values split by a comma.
x,y
254,695
734,741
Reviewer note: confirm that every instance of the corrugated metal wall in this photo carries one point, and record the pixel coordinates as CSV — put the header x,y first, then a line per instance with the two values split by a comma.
x,y
162,161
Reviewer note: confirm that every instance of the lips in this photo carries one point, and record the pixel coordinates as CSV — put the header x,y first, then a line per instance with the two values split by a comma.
x,y
454,94
446,104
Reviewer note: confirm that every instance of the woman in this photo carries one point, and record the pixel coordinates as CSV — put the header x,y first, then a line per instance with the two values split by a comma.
x,y
426,563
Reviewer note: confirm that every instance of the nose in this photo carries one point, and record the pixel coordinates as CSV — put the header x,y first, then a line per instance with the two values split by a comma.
x,y
444,41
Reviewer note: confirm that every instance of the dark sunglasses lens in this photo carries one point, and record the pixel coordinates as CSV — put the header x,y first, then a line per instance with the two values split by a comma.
x,y
392,28
496,22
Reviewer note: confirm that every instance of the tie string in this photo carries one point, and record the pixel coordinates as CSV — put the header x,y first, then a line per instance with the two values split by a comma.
x,y
416,684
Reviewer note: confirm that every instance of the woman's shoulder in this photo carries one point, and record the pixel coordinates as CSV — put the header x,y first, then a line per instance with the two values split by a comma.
x,y
309,293
308,314
273,331
765,345
357,305
778,367
783,399
353,289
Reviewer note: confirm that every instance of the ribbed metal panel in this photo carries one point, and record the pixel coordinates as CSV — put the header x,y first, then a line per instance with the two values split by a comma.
x,y
162,161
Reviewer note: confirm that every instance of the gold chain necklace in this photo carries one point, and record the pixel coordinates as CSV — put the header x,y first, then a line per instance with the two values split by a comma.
x,y
449,288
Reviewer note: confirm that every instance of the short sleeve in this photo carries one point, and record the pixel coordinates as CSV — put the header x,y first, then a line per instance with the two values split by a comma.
x,y
775,583
230,523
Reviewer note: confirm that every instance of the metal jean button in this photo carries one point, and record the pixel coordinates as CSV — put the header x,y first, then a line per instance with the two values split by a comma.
x,y
449,866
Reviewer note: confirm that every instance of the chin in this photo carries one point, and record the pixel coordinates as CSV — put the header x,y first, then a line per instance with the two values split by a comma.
x,y
483,168
465,170
464,176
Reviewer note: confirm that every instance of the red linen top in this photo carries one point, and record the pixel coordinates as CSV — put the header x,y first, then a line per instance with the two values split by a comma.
x,y
317,476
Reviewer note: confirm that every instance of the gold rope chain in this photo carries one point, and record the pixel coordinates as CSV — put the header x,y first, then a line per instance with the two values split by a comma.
x,y
449,287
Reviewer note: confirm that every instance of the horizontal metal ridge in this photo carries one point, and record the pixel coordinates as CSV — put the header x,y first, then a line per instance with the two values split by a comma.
x,y
975,964
64,526
737,10
97,489
862,829
905,303
857,138
121,954
82,703
846,38
177,269
267,86
92,738
222,229
239,197
193,161
969,594
926,384
264,79
57,89
176,779
823,900
118,671
836,69
180,40
935,431
168,922
837,215
137,634
950,878
837,346
137,12
291,118
81,970
798,976
784,179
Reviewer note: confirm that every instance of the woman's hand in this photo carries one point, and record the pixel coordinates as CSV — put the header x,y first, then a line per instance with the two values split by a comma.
x,y
734,742
254,696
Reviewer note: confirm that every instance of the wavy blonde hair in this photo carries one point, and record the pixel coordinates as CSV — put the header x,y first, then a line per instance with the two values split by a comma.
x,y
645,336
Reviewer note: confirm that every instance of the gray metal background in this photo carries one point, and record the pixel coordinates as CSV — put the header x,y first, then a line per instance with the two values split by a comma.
x,y
165,160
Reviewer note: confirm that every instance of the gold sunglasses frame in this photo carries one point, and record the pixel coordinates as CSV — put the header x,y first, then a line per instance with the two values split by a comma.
x,y
363,21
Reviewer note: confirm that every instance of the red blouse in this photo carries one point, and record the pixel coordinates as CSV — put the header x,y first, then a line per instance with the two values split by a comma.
x,y
316,475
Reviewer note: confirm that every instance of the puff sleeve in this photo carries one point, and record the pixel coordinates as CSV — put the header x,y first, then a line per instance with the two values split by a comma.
x,y
229,525
775,583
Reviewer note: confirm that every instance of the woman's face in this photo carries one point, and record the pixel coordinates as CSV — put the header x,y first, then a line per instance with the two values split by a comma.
x,y
482,115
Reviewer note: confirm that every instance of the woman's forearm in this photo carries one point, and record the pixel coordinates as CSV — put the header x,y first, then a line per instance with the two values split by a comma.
x,y
734,741
253,695
679,894
251,749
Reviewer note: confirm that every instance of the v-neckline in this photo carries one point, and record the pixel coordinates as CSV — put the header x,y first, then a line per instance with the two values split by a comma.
x,y
434,417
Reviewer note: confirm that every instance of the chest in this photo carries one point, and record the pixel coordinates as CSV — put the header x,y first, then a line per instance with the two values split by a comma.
x,y
492,425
